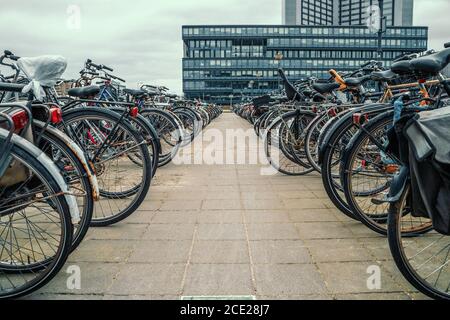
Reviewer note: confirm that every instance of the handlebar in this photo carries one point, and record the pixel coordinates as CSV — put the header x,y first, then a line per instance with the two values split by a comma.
x,y
114,77
107,68
99,67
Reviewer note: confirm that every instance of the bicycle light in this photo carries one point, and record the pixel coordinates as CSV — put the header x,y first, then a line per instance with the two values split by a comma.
x,y
134,112
55,115
360,119
332,112
20,120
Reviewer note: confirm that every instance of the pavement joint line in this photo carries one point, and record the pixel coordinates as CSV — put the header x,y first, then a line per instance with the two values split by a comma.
x,y
188,262
244,221
316,266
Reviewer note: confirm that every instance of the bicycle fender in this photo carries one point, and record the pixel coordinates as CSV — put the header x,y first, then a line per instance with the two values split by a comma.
x,y
53,170
79,154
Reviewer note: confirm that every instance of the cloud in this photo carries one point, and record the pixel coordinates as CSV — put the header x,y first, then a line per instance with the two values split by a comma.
x,y
141,39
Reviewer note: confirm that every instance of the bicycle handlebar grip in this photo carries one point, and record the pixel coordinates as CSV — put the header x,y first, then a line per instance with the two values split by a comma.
x,y
90,63
107,68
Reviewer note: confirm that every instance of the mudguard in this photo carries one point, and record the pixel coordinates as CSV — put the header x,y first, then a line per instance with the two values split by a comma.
x,y
376,107
51,167
78,153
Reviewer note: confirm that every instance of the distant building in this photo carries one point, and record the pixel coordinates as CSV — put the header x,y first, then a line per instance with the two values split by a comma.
x,y
345,12
446,71
308,12
237,60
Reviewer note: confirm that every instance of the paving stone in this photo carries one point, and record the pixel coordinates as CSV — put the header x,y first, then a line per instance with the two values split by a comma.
x,y
303,203
374,296
150,205
272,231
141,297
279,252
306,297
273,204
118,232
220,216
297,195
312,215
175,217
224,204
293,279
95,278
352,277
169,232
184,205
218,280
140,217
148,279
326,230
228,251
62,297
161,251
263,195
337,250
266,216
221,232
222,195
103,251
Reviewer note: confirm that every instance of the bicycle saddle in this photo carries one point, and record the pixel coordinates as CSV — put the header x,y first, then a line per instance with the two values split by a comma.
x,y
84,92
325,88
383,76
431,65
135,93
354,82
402,67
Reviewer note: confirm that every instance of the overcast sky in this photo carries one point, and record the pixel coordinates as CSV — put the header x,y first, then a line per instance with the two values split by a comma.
x,y
141,39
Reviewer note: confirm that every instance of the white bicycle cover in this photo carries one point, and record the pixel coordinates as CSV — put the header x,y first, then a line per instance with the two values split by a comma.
x,y
42,71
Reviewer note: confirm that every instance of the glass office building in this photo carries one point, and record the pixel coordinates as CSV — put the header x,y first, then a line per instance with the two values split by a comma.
x,y
356,12
223,63
345,12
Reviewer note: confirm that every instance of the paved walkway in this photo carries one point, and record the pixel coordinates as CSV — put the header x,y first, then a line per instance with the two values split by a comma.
x,y
227,230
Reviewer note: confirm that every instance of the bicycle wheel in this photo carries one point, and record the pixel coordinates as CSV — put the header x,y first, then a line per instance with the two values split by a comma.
x,y
339,137
170,133
281,144
312,140
422,255
74,173
108,139
35,224
367,173
144,127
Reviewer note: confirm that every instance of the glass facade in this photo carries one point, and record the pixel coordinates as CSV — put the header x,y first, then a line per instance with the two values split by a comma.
x,y
356,12
238,61
316,12
345,12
